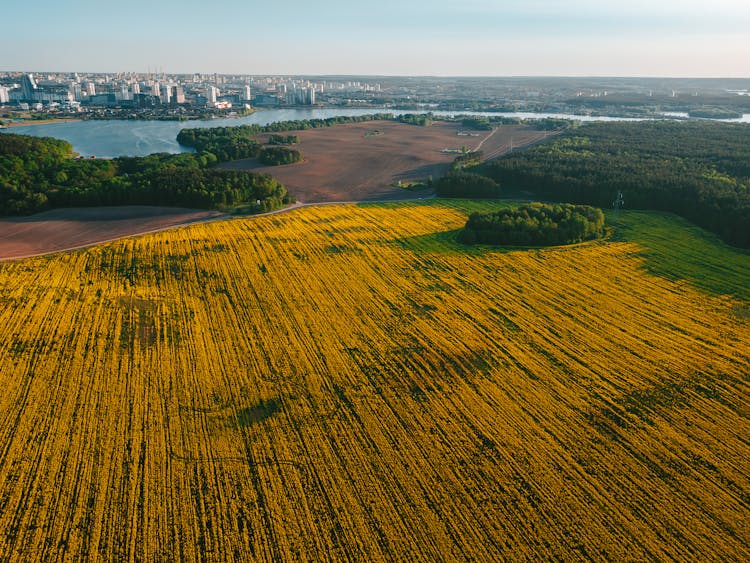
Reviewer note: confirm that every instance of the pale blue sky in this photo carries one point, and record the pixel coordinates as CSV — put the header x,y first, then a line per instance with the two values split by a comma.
x,y
389,37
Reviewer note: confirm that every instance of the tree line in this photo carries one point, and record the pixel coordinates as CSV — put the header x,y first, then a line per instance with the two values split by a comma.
x,y
467,184
535,224
477,123
422,120
699,170
41,173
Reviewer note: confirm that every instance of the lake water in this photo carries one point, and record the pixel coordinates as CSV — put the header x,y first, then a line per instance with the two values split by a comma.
x,y
138,138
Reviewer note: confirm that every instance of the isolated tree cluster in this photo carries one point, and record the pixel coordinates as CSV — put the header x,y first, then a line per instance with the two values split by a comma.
x,y
535,224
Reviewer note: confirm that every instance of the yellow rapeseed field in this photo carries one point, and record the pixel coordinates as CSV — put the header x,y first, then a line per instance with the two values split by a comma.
x,y
347,383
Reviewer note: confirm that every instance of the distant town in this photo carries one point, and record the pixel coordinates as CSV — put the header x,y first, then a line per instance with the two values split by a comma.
x,y
156,95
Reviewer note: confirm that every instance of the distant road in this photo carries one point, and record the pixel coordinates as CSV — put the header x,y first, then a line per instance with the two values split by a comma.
x,y
479,146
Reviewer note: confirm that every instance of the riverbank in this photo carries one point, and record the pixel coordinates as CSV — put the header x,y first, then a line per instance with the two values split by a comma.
x,y
29,122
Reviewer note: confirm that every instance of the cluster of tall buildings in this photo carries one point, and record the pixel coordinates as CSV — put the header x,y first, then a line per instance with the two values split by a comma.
x,y
150,90
128,90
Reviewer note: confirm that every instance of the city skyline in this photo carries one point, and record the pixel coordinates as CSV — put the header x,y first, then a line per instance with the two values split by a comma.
x,y
471,38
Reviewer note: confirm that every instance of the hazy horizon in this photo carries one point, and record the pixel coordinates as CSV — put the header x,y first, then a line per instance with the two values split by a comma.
x,y
474,38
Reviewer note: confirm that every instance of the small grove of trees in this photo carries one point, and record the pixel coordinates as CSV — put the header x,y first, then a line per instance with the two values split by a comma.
x,y
283,139
466,184
275,156
535,224
225,143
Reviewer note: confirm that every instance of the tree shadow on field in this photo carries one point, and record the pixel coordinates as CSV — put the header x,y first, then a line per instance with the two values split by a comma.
x,y
446,242
258,412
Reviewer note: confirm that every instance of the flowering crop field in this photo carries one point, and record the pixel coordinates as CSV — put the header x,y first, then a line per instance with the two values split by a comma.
x,y
349,383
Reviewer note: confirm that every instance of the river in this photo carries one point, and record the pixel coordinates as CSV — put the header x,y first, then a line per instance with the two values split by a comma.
x,y
111,138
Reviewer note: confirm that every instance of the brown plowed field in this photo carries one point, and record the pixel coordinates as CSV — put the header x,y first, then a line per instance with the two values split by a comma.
x,y
354,162
362,161
66,229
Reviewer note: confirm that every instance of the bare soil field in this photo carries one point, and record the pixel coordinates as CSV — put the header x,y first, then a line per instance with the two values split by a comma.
x,y
66,229
363,161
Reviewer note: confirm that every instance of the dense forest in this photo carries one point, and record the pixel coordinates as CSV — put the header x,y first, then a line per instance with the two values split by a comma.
x,y
700,170
466,184
535,224
41,173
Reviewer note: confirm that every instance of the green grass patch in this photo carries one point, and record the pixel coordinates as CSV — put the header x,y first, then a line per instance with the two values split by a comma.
x,y
676,249
672,247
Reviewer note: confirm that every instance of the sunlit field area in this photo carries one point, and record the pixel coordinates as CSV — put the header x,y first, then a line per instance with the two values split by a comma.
x,y
349,382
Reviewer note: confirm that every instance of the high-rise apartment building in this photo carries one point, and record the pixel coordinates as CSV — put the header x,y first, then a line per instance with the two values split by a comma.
x,y
212,93
28,84
179,94
77,91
